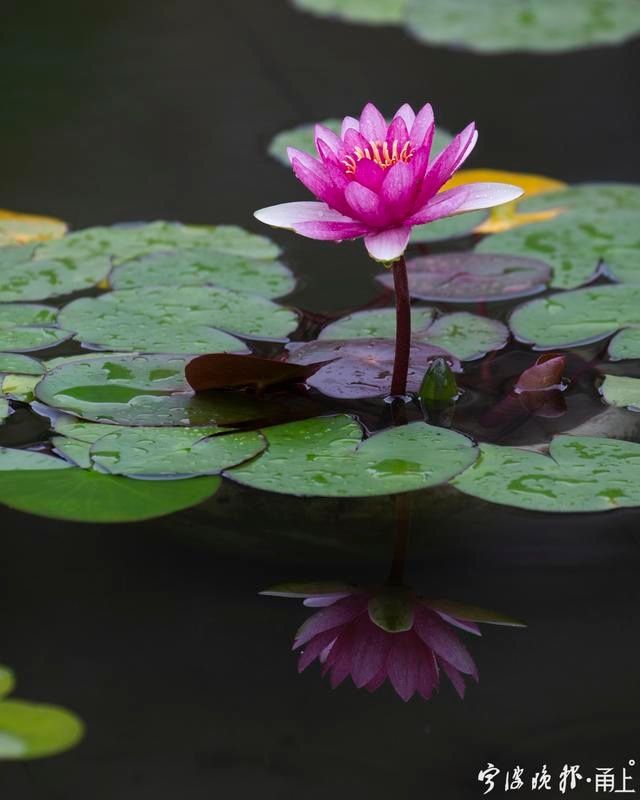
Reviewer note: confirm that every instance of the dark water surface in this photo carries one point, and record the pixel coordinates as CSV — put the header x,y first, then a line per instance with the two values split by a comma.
x,y
153,633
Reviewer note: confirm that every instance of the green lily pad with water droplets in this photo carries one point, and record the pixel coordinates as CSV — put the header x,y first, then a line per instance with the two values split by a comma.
x,y
589,198
7,681
203,267
29,327
621,392
579,474
148,390
464,335
32,730
184,319
327,457
20,364
16,460
495,26
302,137
571,319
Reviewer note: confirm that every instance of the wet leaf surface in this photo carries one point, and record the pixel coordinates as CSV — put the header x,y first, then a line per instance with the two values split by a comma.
x,y
472,277
326,457
24,365
29,327
18,228
571,319
465,336
32,730
362,368
579,474
621,392
228,371
185,319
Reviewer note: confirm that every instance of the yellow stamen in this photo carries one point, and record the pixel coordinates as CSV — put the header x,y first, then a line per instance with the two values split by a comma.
x,y
380,154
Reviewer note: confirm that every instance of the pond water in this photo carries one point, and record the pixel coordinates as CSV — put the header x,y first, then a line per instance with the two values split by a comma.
x,y
154,632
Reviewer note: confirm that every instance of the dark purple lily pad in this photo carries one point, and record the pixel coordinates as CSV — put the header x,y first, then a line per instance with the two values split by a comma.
x,y
545,375
472,277
231,371
362,368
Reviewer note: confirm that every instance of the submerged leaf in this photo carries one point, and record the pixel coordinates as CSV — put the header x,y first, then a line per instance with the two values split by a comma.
x,y
472,277
326,457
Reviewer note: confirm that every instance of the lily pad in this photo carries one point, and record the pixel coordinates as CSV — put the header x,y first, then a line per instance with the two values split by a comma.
x,y
5,409
173,451
623,265
372,12
23,365
31,730
621,392
19,387
590,198
326,457
229,371
7,681
466,336
14,460
302,137
81,495
571,319
536,25
185,319
573,244
579,474
362,368
29,327
473,277
148,390
18,228
204,267
449,227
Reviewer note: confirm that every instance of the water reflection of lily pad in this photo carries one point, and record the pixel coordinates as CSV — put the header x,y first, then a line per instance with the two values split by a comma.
x,y
621,392
362,368
326,457
31,730
372,12
466,336
23,365
185,319
29,327
471,277
579,474
570,319
502,25
202,267
146,390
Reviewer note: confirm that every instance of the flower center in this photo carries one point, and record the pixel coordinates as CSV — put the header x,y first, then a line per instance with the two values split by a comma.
x,y
380,153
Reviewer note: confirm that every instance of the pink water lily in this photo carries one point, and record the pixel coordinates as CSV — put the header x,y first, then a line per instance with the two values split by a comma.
x,y
379,180
346,637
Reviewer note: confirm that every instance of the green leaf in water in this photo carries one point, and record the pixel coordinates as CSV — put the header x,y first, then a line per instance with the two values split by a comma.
x,y
20,364
439,385
31,730
29,327
621,392
7,681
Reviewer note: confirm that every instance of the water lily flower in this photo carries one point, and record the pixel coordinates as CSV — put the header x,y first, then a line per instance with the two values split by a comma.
x,y
386,633
379,180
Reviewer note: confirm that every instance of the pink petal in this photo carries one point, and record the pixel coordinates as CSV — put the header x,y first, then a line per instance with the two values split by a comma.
x,y
314,648
438,636
340,613
423,121
454,676
419,164
349,123
447,162
331,231
397,132
484,195
406,113
398,190
365,204
372,124
370,650
403,664
376,682
288,215
353,138
331,139
428,677
318,182
388,245
445,204
309,161
369,174
341,663
463,624
337,174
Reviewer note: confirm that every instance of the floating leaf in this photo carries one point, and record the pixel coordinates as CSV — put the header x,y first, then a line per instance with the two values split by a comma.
x,y
571,319
453,608
17,228
7,681
623,265
579,474
373,12
449,227
625,345
589,198
12,460
146,390
173,451
203,267
19,387
29,327
302,137
502,25
185,319
23,365
466,336
545,375
5,409
30,730
361,368
326,457
472,277
228,371
573,244
621,392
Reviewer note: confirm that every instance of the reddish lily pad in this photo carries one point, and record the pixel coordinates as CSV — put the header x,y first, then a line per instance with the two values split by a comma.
x,y
546,374
230,371
471,277
362,368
